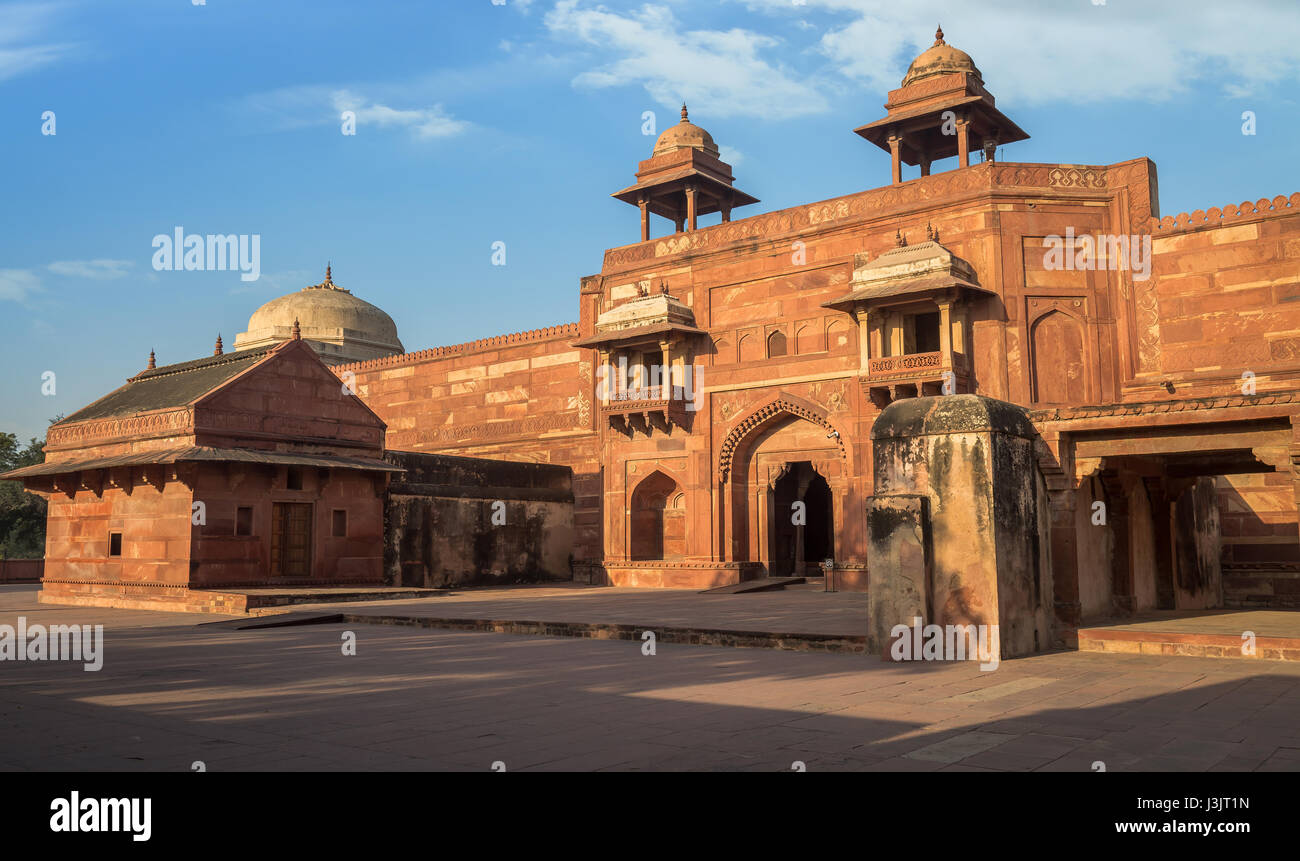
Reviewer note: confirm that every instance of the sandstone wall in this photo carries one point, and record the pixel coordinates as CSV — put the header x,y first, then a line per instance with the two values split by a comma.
x,y
522,397
456,521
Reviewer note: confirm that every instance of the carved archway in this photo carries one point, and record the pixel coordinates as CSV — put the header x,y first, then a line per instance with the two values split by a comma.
x,y
776,409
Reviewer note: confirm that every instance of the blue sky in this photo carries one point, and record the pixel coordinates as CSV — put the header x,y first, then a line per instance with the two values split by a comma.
x,y
479,122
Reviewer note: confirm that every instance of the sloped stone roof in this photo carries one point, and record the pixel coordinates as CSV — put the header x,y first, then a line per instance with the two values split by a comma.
x,y
169,386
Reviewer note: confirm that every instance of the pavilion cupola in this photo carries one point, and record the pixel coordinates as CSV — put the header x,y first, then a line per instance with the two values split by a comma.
x,y
941,110
683,179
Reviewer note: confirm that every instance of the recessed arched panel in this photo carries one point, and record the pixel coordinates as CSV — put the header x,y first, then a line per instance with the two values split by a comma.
x,y
776,345
839,337
658,519
1059,371
723,352
807,339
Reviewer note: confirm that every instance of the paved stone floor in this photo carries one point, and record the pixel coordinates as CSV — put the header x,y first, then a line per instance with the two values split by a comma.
x,y
172,692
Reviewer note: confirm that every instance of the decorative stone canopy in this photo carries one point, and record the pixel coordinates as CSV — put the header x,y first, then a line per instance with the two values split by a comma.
x,y
909,272
940,59
683,179
685,135
919,129
648,317
339,327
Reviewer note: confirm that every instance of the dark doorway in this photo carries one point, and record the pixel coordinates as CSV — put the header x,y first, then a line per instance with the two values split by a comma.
x,y
802,535
291,539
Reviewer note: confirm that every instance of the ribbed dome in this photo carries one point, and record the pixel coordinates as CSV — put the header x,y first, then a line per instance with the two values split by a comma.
x,y
940,59
685,135
341,327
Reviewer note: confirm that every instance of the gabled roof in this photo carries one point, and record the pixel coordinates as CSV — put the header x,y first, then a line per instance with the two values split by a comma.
x,y
170,386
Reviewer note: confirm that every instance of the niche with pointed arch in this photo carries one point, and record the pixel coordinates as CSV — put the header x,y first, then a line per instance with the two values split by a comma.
x,y
658,527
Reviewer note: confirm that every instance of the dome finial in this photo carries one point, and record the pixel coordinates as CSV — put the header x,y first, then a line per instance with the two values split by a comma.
x,y
938,35
329,279
684,117
297,332
217,350
152,363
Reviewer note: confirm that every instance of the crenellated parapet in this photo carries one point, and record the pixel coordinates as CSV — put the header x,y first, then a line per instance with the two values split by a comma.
x,y
1216,217
564,330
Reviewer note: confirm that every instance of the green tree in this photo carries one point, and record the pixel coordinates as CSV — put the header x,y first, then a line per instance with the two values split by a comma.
x,y
22,514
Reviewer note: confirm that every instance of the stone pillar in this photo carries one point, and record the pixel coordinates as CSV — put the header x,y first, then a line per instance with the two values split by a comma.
x,y
925,164
974,461
945,331
1198,573
606,386
863,316
690,207
680,224
666,368
644,206
963,141
896,158
726,211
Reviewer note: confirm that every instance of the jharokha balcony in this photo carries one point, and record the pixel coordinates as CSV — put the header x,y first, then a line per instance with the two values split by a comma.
x,y
889,378
645,408
913,306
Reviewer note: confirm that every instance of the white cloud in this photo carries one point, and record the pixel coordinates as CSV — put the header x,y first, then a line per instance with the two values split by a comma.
x,y
718,72
1034,52
23,45
18,284
316,105
101,269
432,122
730,155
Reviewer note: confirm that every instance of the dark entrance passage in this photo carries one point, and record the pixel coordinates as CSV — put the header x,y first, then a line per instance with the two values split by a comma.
x,y
803,528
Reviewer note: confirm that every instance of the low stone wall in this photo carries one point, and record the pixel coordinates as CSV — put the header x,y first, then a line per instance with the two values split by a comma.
x,y
464,521
21,570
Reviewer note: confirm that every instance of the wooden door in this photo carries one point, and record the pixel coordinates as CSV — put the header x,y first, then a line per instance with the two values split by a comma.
x,y
291,539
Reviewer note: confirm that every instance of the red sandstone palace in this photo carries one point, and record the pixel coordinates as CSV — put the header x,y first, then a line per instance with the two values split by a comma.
x,y
720,377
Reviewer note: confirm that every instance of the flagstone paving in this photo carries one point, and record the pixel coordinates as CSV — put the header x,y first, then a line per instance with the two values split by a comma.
x,y
172,693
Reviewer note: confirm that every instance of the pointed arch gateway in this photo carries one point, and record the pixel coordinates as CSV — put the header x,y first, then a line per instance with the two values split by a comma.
x,y
787,450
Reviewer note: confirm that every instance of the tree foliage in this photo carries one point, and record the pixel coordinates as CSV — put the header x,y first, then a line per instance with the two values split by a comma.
x,y
22,514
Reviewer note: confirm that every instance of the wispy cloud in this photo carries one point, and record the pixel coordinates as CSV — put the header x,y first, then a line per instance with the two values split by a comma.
x,y
318,105
279,283
1034,53
101,269
17,285
24,44
720,72
431,122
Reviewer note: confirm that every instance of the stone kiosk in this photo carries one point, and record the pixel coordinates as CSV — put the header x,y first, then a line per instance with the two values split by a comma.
x,y
958,522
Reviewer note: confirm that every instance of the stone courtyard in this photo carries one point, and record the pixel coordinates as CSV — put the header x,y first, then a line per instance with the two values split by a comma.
x,y
173,693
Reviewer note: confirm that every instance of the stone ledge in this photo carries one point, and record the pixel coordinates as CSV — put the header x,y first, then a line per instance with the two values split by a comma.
x,y
663,634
